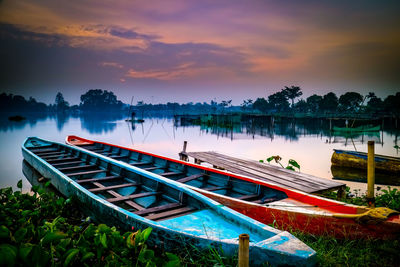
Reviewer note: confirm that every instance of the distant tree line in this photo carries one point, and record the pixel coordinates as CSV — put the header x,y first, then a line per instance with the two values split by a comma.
x,y
283,101
349,102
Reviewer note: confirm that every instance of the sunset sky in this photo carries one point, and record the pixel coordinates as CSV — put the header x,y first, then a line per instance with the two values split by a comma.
x,y
185,51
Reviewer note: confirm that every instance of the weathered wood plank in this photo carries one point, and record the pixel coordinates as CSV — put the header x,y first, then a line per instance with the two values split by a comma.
x,y
55,156
170,173
214,188
119,157
112,187
83,173
136,164
159,209
247,197
75,168
152,168
50,153
304,182
67,163
170,213
145,194
190,178
61,160
102,179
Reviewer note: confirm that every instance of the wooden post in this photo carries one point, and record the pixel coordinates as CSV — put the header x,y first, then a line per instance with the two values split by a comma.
x,y
371,174
183,155
244,250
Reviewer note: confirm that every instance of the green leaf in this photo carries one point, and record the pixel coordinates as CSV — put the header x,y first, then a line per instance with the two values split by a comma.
x,y
8,254
290,168
146,255
20,234
88,255
102,228
130,240
19,184
71,254
4,232
47,184
24,251
103,240
146,233
173,260
270,158
52,237
294,163
261,161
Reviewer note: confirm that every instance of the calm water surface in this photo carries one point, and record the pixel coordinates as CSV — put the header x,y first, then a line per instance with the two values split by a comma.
x,y
310,144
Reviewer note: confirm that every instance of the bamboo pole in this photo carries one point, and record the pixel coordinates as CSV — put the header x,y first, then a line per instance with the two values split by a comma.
x,y
371,174
244,250
183,155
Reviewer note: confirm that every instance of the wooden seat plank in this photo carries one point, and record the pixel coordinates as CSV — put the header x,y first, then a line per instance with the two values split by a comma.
x,y
140,163
152,168
50,153
170,213
79,167
215,188
190,178
62,159
139,195
246,197
159,209
119,156
112,187
67,163
83,173
55,156
170,173
102,179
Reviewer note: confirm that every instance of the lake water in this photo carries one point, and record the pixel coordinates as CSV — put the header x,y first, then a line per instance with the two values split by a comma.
x,y
310,144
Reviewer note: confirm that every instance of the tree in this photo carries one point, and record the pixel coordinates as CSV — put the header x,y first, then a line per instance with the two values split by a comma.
x,y
301,106
329,102
61,104
391,103
261,104
279,101
292,92
374,104
99,100
314,102
247,104
350,101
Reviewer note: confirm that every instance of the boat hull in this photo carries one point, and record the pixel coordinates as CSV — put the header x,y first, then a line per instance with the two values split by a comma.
x,y
358,160
279,248
309,214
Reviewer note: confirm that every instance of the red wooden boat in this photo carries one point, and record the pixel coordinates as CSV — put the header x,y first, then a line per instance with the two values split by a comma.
x,y
268,203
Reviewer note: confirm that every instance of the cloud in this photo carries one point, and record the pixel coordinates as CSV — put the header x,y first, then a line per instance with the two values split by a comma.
x,y
111,64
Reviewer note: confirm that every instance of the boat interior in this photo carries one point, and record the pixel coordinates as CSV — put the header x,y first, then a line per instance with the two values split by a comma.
x,y
129,190
210,181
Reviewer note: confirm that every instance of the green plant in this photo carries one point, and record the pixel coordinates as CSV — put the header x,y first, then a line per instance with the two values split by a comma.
x,y
292,164
43,229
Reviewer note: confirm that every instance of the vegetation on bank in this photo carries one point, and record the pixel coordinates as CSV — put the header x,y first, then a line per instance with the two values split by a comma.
x,y
283,102
43,229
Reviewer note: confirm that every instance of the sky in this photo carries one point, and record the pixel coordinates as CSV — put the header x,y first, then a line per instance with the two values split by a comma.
x,y
181,51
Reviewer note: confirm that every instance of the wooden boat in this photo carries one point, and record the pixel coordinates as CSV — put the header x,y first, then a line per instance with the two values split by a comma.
x,y
120,194
358,160
364,128
268,203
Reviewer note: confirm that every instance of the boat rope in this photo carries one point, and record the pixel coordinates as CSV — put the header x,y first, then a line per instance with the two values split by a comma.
x,y
372,216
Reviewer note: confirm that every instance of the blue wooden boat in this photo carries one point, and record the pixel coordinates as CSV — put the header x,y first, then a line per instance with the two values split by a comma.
x,y
120,194
358,160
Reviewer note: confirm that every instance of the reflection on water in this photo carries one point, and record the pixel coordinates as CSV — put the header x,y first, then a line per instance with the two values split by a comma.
x,y
357,175
309,142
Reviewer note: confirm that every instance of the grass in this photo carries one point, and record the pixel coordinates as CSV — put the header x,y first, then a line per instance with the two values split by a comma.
x,y
43,229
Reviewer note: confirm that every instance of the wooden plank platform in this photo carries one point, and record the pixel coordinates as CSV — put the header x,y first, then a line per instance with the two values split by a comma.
x,y
263,171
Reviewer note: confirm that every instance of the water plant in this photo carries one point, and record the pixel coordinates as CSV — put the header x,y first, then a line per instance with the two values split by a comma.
x,y
42,229
291,165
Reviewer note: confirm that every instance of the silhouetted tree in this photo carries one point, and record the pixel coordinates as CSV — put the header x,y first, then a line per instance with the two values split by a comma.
x,y
292,92
391,103
261,104
247,104
301,106
350,101
329,102
313,102
99,100
279,101
61,104
375,104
